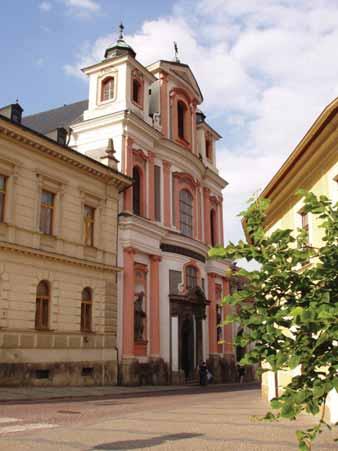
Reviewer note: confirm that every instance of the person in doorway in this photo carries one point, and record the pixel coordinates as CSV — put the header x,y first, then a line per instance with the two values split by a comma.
x,y
203,373
241,373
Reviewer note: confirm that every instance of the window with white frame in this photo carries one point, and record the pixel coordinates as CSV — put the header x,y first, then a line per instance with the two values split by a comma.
x,y
47,205
186,212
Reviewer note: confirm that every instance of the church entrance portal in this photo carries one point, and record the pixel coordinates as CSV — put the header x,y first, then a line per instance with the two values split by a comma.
x,y
186,329
187,345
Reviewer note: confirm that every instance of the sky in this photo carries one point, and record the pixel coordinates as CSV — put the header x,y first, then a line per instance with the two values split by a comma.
x,y
267,68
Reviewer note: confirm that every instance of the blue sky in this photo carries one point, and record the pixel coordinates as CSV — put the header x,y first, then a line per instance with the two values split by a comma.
x,y
267,68
36,44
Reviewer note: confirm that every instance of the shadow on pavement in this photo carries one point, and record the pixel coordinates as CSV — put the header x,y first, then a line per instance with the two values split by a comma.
x,y
144,443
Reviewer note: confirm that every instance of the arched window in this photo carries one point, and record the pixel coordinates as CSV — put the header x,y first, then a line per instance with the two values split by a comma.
x,y
107,89
181,111
42,305
186,214
213,231
136,91
136,191
86,309
190,277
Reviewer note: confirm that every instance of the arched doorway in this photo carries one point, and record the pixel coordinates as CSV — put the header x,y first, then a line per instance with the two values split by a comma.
x,y
187,346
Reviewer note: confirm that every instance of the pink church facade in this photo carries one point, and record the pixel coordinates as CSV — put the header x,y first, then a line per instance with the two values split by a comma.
x,y
146,122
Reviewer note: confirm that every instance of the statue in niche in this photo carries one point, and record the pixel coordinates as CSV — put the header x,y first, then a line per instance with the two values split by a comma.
x,y
139,317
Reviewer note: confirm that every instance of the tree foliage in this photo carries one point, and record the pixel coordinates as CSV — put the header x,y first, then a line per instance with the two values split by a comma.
x,y
289,308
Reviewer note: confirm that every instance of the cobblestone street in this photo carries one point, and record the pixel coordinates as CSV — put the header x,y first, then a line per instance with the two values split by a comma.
x,y
168,421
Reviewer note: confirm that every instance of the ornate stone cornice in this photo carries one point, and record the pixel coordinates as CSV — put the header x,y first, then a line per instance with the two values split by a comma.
x,y
185,177
155,258
65,154
141,154
31,252
215,199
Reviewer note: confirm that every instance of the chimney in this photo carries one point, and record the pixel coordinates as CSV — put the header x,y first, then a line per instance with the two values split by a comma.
x,y
13,112
61,136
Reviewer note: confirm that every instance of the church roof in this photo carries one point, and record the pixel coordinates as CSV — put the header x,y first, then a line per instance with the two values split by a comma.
x,y
180,70
47,121
120,47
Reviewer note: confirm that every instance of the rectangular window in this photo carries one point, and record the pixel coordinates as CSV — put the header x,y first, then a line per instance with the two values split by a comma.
x,y
186,214
191,277
2,197
47,212
157,193
175,279
181,111
89,220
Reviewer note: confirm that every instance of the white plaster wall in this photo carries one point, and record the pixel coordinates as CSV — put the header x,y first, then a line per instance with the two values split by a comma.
x,y
332,404
118,103
93,138
174,343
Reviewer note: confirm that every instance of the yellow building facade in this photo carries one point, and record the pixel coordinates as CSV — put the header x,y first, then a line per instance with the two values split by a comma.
x,y
58,261
313,166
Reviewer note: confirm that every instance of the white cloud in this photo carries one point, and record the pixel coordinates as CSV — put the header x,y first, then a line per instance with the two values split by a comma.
x,y
45,6
82,6
40,62
266,68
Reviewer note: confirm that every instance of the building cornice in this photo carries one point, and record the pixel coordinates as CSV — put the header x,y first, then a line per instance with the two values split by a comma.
x,y
112,62
327,121
167,147
31,252
133,124
40,143
313,155
208,128
177,239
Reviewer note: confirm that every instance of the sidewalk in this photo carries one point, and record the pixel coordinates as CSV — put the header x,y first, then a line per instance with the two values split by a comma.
x,y
40,394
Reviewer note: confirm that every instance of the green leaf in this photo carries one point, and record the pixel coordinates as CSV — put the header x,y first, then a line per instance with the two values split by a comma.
x,y
276,404
287,307
288,411
294,361
319,390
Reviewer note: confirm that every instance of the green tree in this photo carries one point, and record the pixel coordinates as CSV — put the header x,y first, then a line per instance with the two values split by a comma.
x,y
289,308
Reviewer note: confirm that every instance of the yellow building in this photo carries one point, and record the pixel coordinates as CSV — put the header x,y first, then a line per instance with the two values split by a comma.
x,y
58,272
313,166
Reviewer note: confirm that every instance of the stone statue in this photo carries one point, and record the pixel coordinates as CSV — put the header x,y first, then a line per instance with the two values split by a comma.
x,y
139,316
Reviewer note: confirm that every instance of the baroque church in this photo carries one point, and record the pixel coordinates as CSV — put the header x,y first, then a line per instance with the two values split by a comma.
x,y
146,122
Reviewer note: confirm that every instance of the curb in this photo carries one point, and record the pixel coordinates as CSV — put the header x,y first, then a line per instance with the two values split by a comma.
x,y
133,394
